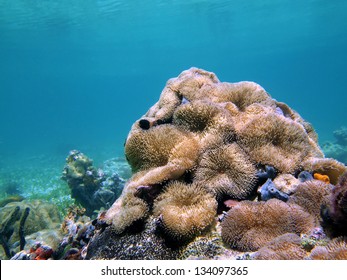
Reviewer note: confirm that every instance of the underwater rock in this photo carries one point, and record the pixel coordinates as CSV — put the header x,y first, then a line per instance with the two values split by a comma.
x,y
138,244
91,187
11,198
216,135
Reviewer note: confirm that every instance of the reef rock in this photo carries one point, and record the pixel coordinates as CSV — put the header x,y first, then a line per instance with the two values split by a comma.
x,y
91,187
209,140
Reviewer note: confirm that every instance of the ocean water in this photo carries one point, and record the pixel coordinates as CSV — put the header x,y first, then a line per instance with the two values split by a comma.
x,y
77,74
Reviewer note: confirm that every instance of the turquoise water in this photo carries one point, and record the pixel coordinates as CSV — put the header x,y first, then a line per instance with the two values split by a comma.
x,y
77,74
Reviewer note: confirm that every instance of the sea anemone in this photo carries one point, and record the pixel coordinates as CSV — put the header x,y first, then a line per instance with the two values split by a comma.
x,y
312,196
227,171
285,247
145,149
250,225
125,211
184,210
325,166
243,94
335,250
335,214
275,140
208,120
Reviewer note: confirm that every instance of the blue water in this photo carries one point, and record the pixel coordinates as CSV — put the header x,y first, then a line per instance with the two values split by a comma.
x,y
77,74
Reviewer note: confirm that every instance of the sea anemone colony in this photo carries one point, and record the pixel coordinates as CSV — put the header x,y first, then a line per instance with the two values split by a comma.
x,y
207,142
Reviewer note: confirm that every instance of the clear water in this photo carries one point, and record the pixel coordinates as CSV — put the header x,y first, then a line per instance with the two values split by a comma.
x,y
77,74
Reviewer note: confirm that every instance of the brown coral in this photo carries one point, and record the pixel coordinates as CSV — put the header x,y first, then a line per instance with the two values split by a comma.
x,y
312,195
335,250
227,171
284,247
250,225
185,210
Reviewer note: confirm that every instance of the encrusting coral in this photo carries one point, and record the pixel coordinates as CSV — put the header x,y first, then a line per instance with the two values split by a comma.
x,y
250,225
212,140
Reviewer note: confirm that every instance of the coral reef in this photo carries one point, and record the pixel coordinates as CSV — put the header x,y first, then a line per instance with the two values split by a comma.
x,y
91,187
250,225
206,146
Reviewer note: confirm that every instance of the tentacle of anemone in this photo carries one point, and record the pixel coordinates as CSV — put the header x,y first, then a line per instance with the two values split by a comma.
x,y
312,196
227,171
